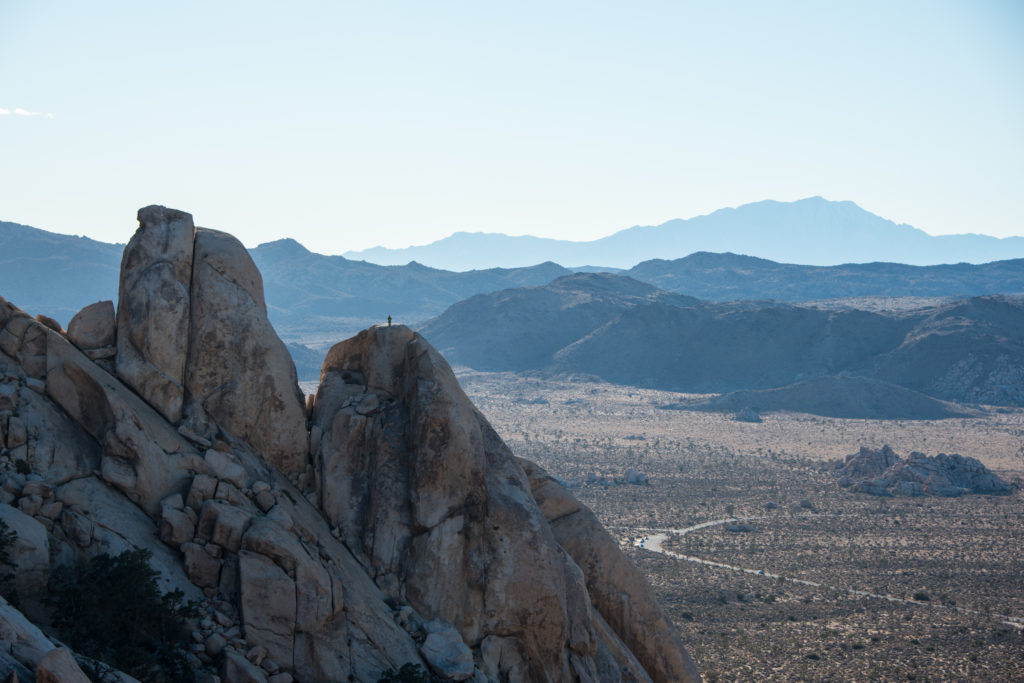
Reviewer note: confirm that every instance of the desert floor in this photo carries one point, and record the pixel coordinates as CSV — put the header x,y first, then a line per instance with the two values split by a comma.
x,y
855,587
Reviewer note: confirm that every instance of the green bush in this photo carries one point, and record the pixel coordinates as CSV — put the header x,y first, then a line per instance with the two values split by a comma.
x,y
111,609
7,539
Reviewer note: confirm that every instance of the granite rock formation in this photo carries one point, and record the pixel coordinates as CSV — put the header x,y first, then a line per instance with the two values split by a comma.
x,y
883,473
392,527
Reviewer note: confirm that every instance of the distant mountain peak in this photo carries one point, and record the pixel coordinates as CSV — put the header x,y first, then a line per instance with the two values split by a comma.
x,y
813,230
286,245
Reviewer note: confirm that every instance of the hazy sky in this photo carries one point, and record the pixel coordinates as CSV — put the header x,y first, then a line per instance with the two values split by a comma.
x,y
347,125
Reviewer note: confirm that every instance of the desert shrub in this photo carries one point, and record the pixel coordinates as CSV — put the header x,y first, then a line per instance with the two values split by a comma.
x,y
7,540
111,609
922,596
409,673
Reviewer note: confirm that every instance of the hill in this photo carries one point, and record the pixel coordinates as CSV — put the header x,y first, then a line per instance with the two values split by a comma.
x,y
313,299
849,397
308,295
966,351
813,230
520,329
312,296
59,274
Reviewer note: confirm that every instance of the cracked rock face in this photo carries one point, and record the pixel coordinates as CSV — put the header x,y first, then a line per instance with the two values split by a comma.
x,y
153,308
238,370
444,518
426,492
193,337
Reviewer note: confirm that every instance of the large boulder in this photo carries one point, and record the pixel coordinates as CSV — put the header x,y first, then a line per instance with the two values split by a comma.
x,y
194,341
22,639
153,308
268,606
93,327
426,492
238,370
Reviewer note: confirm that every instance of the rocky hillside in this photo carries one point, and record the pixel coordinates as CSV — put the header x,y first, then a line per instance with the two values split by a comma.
x,y
968,351
522,328
380,524
58,274
310,295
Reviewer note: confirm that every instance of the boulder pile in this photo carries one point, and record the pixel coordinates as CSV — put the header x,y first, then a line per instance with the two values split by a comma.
x,y
381,523
883,473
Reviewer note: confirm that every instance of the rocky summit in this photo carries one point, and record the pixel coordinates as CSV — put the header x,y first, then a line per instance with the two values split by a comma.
x,y
379,524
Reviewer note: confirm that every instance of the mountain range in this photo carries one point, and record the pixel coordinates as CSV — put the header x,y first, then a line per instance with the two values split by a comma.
x,y
314,299
812,231
312,296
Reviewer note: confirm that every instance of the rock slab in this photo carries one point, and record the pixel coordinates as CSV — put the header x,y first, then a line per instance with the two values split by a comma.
x,y
153,308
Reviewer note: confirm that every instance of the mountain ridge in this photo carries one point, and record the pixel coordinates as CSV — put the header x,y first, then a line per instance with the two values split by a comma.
x,y
313,298
813,231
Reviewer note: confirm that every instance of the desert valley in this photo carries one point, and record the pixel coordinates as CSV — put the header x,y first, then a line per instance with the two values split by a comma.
x,y
544,342
789,556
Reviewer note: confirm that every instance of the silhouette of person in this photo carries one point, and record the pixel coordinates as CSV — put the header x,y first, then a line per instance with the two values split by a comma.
x,y
389,321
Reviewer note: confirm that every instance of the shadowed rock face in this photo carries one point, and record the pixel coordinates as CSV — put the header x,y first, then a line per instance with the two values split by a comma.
x,y
413,537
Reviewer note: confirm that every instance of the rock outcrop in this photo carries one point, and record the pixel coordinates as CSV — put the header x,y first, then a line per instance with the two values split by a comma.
x,y
883,473
195,342
153,308
94,331
239,371
425,491
400,530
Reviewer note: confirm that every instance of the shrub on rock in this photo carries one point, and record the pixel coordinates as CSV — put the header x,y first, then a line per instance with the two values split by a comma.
x,y
111,609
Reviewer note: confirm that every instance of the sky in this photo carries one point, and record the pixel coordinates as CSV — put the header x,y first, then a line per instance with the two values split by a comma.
x,y
347,125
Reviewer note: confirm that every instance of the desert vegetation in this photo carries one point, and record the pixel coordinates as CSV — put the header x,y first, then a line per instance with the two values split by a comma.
x,y
950,566
111,609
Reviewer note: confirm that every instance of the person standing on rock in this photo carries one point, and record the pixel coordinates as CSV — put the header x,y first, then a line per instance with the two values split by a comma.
x,y
389,321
